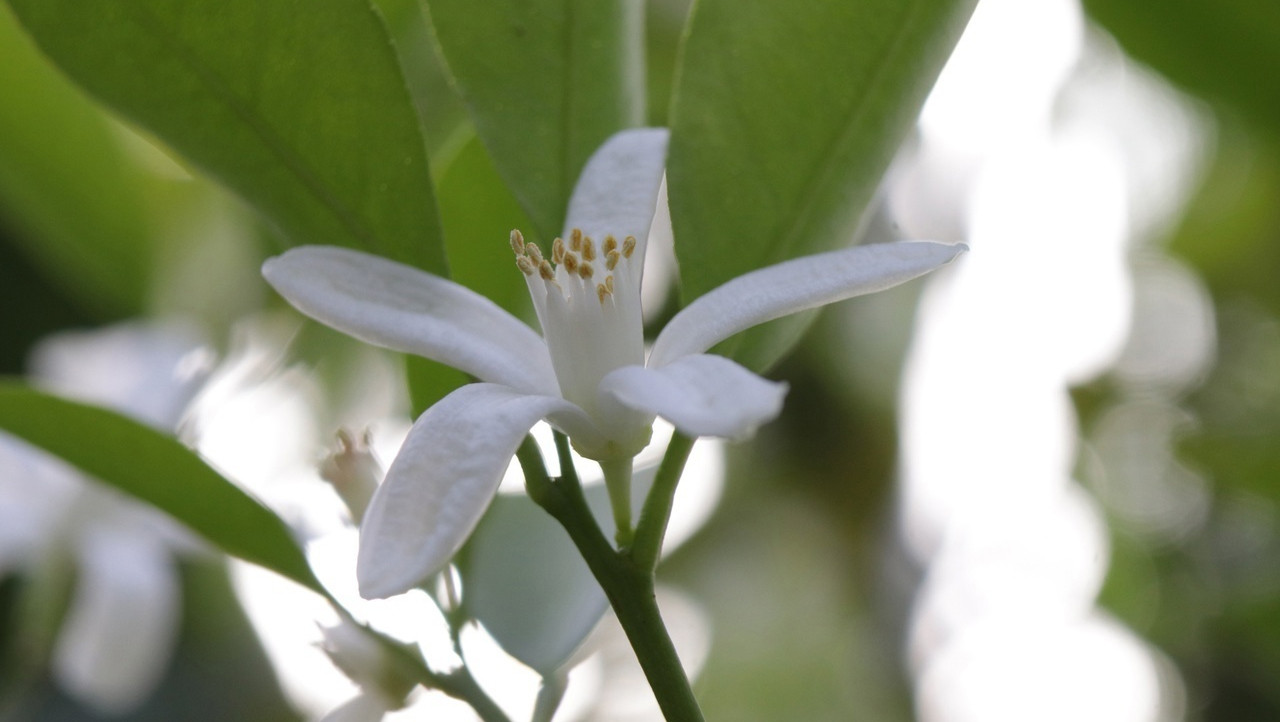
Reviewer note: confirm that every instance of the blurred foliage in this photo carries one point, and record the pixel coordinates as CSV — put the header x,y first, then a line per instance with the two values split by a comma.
x,y
1223,50
1212,598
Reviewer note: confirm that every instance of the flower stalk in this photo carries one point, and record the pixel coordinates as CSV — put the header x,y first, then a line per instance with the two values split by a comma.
x,y
629,586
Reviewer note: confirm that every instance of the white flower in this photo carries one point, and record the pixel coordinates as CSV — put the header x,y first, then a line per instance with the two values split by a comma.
x,y
118,633
587,374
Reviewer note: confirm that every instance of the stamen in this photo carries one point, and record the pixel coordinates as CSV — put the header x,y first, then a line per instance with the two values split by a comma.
x,y
628,246
610,244
525,265
557,251
588,249
546,271
608,284
534,252
517,241
570,263
602,291
611,259
575,240
585,270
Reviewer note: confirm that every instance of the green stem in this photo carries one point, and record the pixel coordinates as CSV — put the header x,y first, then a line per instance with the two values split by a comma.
x,y
657,507
628,586
617,479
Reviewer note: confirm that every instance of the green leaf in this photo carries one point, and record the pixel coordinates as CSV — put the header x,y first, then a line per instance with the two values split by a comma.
x,y
1227,51
546,82
300,107
785,118
158,470
479,214
67,187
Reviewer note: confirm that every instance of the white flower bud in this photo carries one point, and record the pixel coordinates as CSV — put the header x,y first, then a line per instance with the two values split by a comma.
x,y
353,471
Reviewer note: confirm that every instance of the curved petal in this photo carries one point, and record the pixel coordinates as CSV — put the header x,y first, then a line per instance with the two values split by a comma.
x,y
442,481
793,286
401,308
120,631
702,395
617,192
364,707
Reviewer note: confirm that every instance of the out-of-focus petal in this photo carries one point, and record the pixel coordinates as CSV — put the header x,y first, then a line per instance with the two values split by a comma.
x,y
442,481
701,395
402,308
793,286
146,370
119,633
617,192
361,708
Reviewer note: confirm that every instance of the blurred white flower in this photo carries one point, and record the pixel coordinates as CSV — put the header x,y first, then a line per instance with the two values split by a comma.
x,y
118,634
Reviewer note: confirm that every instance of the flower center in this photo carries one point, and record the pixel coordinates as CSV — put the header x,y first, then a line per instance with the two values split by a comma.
x,y
587,298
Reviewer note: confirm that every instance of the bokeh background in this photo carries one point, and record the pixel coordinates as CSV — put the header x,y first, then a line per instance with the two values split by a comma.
x,y
1039,485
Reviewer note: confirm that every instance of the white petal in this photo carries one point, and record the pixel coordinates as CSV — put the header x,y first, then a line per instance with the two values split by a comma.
x,y
389,304
365,707
147,370
527,584
442,481
793,286
116,641
617,192
701,395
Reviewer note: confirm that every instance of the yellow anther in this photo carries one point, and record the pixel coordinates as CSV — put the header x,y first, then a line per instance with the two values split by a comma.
x,y
517,242
588,249
602,291
628,246
585,270
575,240
534,252
610,244
611,259
557,251
546,271
525,265
570,263
608,284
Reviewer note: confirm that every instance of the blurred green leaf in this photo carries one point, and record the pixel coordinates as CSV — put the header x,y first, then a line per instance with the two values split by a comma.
x,y
158,470
1227,50
67,187
300,107
785,118
479,213
546,82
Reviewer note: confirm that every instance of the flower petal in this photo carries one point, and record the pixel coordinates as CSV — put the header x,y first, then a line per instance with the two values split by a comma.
x,y
702,395
364,707
793,286
392,305
118,636
617,192
443,479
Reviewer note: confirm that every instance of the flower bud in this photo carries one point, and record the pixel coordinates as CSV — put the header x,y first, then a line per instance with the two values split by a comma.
x,y
353,471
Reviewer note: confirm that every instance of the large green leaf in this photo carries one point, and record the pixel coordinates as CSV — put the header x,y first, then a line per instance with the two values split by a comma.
x,y
300,107
546,82
784,120
157,469
1226,50
69,191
